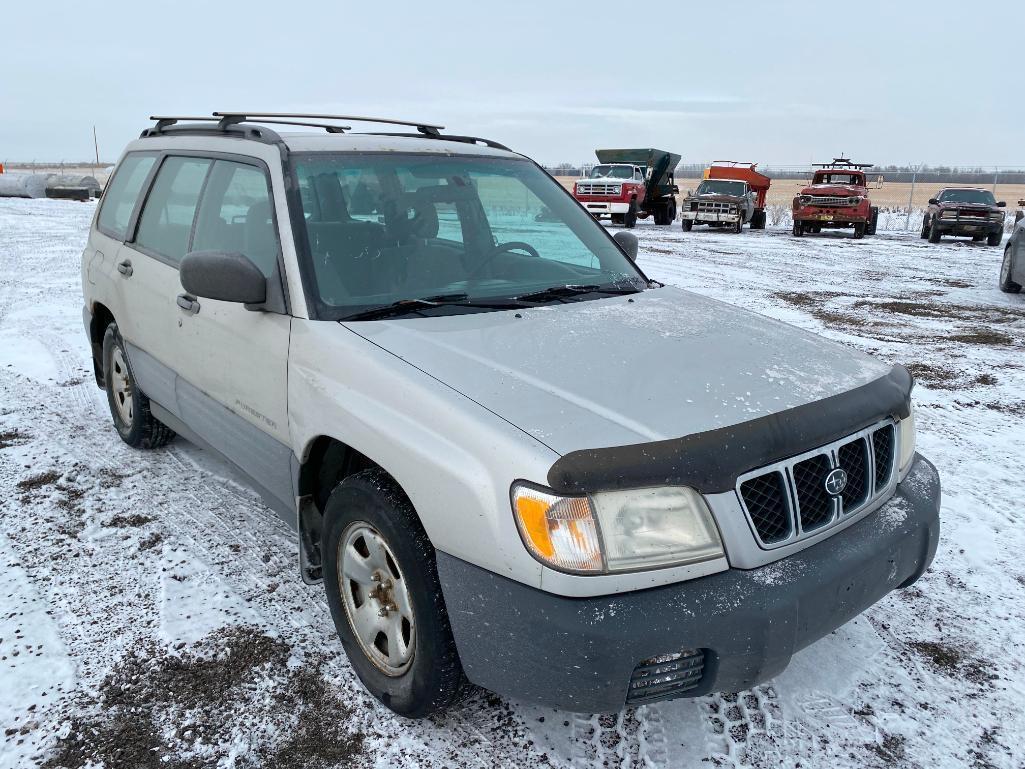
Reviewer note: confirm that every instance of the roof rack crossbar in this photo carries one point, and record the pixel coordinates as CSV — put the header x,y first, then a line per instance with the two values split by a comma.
x,y
842,163
425,128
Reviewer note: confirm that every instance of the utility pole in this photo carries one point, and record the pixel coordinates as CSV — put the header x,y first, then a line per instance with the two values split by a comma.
x,y
96,147
911,197
996,173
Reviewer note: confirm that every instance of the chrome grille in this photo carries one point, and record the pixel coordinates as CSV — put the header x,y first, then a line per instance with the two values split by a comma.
x,y
788,501
828,200
597,188
715,207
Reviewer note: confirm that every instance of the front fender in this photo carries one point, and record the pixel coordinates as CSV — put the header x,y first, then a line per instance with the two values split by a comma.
x,y
454,459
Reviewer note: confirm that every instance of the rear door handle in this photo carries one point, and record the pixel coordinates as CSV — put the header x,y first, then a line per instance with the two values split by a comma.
x,y
125,268
188,303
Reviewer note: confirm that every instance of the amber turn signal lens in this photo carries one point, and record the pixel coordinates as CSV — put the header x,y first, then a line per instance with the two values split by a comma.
x,y
558,531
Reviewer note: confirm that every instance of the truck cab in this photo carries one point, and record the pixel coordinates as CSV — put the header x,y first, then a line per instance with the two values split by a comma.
x,y
612,189
836,198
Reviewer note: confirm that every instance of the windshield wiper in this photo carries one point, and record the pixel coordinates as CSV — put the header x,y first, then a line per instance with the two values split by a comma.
x,y
404,306
560,292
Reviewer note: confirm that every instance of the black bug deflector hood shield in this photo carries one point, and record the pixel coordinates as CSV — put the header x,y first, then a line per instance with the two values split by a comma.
x,y
711,461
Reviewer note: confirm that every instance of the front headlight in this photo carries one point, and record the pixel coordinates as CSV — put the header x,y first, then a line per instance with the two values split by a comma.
x,y
616,531
997,215
854,200
907,443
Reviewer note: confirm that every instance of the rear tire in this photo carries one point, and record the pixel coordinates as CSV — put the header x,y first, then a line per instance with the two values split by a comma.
x,y
380,568
1007,285
873,221
925,228
671,213
758,220
630,217
978,238
129,406
995,238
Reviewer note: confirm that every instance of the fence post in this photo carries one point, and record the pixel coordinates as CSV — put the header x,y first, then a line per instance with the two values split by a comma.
x,y
911,198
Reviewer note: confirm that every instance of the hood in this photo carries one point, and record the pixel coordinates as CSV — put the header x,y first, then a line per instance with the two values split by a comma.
x,y
839,190
717,197
612,372
970,206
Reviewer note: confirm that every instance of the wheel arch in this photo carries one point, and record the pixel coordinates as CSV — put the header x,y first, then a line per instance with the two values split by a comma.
x,y
101,318
325,462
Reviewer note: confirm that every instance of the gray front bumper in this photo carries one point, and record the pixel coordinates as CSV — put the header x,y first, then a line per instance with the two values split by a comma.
x,y
578,654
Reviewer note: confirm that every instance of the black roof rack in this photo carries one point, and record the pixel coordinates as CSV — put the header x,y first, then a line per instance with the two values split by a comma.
x,y
843,163
425,128
223,121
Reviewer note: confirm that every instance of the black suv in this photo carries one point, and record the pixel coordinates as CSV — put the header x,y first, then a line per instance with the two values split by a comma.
x,y
964,211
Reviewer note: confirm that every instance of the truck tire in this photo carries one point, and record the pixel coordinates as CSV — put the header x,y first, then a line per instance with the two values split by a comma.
x,y
378,556
934,233
1007,285
687,224
925,227
978,238
129,406
798,229
630,217
758,219
671,213
995,238
738,226
616,218
873,220
859,230
660,215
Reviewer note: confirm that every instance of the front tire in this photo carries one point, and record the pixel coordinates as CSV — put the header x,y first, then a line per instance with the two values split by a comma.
x,y
1007,285
859,230
630,217
873,221
385,597
129,406
738,227
994,238
934,233
798,229
687,224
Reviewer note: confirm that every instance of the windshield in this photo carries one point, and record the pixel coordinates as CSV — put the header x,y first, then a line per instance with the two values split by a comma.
x,y
720,187
985,197
385,228
612,172
833,178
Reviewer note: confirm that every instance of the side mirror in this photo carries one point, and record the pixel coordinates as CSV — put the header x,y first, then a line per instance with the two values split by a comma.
x,y
1002,204
228,277
628,242
933,201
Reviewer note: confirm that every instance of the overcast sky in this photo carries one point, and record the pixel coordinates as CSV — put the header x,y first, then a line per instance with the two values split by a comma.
x,y
777,82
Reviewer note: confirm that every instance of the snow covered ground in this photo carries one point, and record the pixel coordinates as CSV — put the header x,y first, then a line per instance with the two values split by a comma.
x,y
151,614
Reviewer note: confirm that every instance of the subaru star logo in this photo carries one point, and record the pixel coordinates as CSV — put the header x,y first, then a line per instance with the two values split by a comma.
x,y
836,481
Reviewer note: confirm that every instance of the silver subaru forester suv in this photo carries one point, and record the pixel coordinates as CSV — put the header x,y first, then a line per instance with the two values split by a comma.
x,y
512,459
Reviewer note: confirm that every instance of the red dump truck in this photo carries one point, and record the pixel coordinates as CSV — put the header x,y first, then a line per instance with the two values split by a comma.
x,y
731,194
631,184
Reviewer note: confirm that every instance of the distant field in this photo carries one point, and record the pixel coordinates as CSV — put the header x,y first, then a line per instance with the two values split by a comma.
x,y
890,195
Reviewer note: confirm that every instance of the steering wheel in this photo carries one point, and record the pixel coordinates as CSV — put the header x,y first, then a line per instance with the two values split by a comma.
x,y
501,248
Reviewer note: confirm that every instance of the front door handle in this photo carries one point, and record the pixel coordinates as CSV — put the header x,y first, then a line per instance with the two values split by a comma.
x,y
188,303
125,268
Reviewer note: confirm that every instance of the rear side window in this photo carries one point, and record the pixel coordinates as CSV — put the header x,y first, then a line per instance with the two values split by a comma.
x,y
166,222
122,192
236,215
